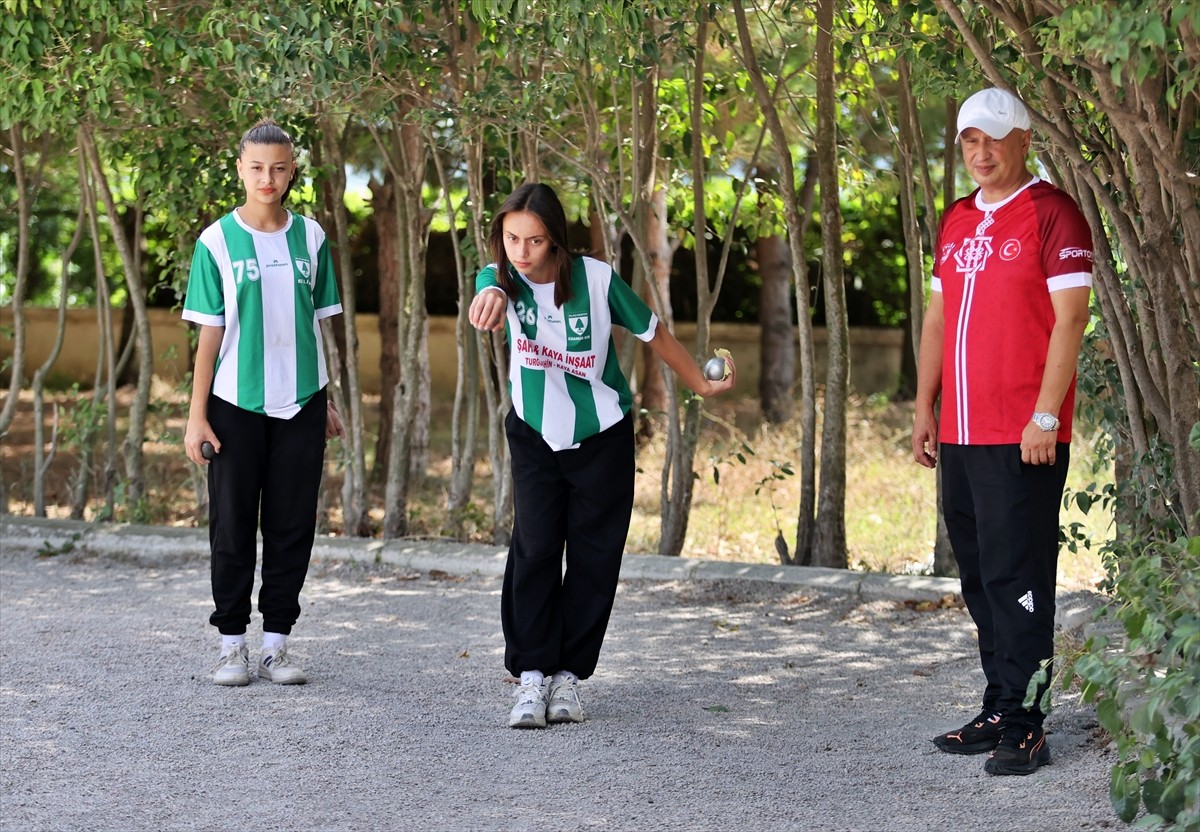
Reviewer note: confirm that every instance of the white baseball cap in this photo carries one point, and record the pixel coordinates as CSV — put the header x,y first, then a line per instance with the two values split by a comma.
x,y
995,111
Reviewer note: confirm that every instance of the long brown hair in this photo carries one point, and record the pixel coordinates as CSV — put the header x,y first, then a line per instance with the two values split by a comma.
x,y
541,201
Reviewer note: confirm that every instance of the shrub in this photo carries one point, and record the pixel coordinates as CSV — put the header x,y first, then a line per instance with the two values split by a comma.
x,y
1143,673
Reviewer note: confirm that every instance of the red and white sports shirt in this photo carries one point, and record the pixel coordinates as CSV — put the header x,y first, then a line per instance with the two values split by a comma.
x,y
996,268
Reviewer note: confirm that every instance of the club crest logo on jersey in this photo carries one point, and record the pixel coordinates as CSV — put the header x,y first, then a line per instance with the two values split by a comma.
x,y
973,256
1010,250
304,268
578,328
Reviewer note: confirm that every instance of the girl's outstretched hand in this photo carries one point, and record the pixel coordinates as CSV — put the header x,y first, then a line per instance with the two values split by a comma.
x,y
487,310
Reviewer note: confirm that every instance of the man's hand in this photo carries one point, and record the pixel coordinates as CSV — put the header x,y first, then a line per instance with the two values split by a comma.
x,y
925,438
1038,447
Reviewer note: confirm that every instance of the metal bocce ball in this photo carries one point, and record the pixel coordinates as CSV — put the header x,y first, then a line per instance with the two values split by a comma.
x,y
207,450
714,369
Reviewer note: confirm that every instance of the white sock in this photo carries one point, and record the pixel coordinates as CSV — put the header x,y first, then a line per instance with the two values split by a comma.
x,y
228,642
273,641
532,677
563,676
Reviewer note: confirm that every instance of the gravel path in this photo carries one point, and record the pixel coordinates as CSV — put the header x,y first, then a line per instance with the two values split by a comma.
x,y
718,705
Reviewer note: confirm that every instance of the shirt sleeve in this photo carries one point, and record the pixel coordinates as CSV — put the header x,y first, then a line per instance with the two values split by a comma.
x,y
486,279
204,302
629,310
326,298
940,254
1066,243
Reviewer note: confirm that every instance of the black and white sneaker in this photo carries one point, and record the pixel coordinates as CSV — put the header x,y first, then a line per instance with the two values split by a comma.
x,y
976,737
1022,750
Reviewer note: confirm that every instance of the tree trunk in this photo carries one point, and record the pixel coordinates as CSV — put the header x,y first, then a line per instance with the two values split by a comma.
x,y
679,466
657,292
829,542
777,377
652,271
778,333
41,459
24,229
106,375
343,364
407,155
804,333
136,435
494,365
418,458
383,215
944,562
908,151
466,382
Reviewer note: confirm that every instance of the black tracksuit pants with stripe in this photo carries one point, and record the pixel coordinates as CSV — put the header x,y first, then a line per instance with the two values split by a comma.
x,y
1002,516
580,499
268,470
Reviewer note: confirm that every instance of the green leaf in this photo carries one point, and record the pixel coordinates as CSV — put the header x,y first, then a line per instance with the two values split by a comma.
x,y
1124,792
1108,716
1154,33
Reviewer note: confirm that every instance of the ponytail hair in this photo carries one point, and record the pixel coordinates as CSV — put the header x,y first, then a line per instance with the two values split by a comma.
x,y
268,131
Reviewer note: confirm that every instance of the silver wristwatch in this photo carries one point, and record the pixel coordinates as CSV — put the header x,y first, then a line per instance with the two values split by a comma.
x,y
1046,421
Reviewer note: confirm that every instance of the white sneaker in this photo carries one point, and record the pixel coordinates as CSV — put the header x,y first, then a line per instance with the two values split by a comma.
x,y
530,710
564,700
277,667
233,668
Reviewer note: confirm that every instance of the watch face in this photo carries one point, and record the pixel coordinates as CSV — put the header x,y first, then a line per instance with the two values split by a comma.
x,y
1045,421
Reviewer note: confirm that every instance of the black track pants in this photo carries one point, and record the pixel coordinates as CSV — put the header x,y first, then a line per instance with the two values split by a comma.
x,y
1002,516
273,465
581,499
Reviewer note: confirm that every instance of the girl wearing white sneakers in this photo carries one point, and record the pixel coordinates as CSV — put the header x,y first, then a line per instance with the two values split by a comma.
x,y
570,434
260,283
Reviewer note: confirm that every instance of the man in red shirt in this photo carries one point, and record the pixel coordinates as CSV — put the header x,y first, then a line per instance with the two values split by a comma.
x,y
1007,310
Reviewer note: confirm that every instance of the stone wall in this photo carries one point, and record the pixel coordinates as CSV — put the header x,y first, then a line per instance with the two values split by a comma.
x,y
874,352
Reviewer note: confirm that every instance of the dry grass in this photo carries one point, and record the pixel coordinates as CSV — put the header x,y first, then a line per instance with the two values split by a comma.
x,y
736,514
890,501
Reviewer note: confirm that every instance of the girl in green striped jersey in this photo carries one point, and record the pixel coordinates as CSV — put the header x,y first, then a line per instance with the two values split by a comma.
x,y
570,434
260,283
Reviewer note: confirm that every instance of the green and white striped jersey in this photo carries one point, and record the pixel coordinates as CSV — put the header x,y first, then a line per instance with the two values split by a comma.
x,y
270,292
563,373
